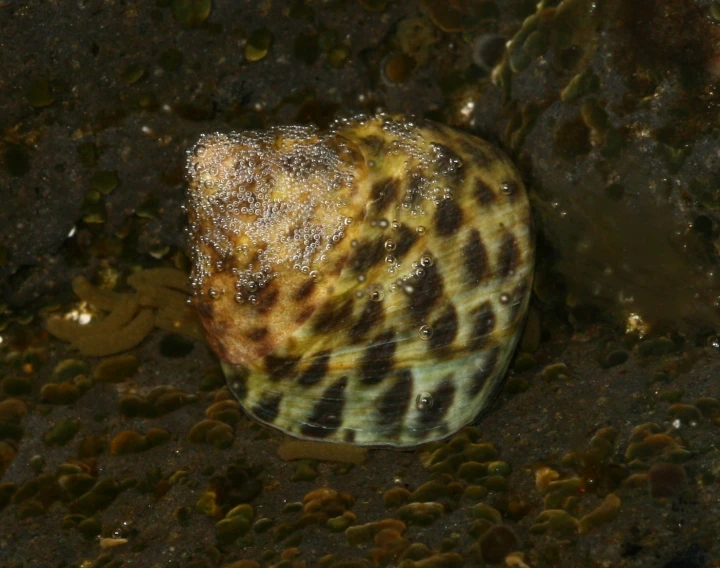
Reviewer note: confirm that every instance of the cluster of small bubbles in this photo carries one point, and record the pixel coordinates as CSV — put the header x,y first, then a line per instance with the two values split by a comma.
x,y
505,298
425,332
424,401
252,185
449,163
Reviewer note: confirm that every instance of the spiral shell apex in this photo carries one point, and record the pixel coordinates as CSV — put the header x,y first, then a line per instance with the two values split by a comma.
x,y
364,285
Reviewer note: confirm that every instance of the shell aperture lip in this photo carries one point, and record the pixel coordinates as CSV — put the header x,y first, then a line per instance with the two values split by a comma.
x,y
366,285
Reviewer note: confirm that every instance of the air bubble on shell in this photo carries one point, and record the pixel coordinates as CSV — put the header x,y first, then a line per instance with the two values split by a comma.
x,y
426,332
424,401
505,298
426,260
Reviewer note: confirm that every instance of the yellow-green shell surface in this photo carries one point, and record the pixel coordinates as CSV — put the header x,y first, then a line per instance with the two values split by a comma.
x,y
365,285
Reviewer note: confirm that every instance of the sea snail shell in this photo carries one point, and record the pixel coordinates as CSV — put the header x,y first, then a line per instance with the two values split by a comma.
x,y
366,285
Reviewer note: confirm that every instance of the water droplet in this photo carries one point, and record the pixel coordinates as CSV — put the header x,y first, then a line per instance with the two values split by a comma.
x,y
419,272
390,244
426,260
390,259
426,332
420,230
424,401
253,300
506,187
212,293
504,298
239,298
376,295
315,275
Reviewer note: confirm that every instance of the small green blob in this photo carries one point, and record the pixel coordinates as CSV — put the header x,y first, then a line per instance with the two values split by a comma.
x,y
156,437
556,521
191,13
480,452
495,483
475,493
29,509
430,491
484,511
398,68
262,525
59,393
606,512
338,524
499,468
62,432
580,85
420,514
305,471
15,159
395,497
104,182
128,442
337,56
39,93
556,372
90,528
258,44
614,358
68,369
472,471
171,59
116,369
535,44
77,484
133,74
715,9
686,413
